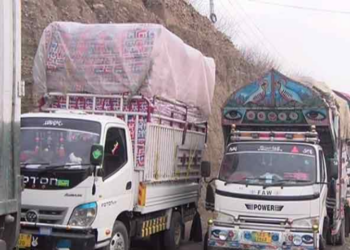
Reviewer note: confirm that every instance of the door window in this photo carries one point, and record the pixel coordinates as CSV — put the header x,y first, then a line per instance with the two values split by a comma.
x,y
115,155
322,167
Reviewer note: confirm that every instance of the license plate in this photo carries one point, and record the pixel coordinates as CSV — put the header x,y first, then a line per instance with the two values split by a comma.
x,y
24,241
262,237
45,231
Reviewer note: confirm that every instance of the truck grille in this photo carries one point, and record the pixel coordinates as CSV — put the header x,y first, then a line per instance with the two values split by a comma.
x,y
250,220
49,215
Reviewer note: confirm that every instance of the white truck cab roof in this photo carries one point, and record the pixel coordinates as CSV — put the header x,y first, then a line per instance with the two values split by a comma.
x,y
103,119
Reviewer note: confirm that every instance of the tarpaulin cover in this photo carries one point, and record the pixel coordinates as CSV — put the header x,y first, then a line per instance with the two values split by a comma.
x,y
142,59
339,104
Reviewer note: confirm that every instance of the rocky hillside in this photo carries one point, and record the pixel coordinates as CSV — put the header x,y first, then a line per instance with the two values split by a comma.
x,y
177,15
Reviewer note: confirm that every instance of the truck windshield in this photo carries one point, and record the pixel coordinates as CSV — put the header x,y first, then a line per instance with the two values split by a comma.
x,y
57,142
269,164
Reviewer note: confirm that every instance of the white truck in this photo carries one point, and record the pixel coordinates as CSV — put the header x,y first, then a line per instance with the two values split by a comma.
x,y
10,91
282,182
102,169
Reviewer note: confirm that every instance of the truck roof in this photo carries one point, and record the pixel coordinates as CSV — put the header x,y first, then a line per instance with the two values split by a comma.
x,y
343,95
103,119
277,100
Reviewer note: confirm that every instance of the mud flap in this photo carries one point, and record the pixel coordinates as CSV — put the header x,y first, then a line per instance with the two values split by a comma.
x,y
347,221
2,245
196,234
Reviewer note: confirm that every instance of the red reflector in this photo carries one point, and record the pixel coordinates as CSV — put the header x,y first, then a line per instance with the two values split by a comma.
x,y
264,135
280,135
295,150
231,234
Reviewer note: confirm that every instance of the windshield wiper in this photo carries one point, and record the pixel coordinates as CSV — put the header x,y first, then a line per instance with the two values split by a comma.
x,y
24,164
297,181
245,181
283,181
47,168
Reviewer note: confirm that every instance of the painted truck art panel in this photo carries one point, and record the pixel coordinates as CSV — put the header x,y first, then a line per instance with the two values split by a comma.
x,y
269,100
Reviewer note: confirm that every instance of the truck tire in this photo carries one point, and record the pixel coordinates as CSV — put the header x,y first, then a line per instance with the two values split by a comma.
x,y
340,238
120,238
326,232
323,244
205,243
323,236
347,221
172,237
157,241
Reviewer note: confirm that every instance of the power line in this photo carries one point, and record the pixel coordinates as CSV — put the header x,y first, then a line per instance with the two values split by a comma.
x,y
243,31
301,7
265,38
258,29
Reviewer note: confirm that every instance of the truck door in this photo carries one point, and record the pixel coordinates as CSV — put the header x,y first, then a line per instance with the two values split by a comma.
x,y
117,188
323,179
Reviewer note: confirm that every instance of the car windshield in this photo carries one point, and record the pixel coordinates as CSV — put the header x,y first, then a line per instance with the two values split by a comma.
x,y
64,145
266,164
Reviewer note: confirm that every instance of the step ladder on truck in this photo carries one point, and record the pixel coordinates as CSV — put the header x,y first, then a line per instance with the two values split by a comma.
x,y
282,182
116,152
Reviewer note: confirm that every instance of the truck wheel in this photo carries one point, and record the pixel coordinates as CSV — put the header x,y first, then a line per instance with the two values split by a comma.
x,y
157,241
120,237
347,221
172,237
341,235
205,243
323,236
326,232
323,243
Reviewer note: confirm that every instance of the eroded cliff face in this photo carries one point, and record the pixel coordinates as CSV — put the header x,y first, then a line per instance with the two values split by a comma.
x,y
177,15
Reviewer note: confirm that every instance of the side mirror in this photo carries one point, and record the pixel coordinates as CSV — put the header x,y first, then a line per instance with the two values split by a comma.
x,y
206,169
333,173
96,155
210,199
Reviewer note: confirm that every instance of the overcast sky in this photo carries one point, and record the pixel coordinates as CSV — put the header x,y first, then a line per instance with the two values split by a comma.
x,y
315,44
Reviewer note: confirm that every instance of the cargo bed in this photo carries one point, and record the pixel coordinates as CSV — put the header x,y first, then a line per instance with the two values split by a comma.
x,y
167,137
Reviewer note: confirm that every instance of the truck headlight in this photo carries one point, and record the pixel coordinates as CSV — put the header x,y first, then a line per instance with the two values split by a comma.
x,y
83,215
224,218
306,223
297,241
223,235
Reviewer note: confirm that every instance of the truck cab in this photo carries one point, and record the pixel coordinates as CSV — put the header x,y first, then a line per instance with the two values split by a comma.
x,y
270,192
62,188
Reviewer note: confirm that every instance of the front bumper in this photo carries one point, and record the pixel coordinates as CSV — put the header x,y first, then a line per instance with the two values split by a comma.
x,y
238,238
58,239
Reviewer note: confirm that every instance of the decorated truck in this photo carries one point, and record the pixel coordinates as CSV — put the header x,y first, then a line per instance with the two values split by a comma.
x,y
10,91
346,97
282,182
116,151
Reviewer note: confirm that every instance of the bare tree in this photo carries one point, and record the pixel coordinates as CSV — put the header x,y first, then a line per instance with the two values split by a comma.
x,y
261,61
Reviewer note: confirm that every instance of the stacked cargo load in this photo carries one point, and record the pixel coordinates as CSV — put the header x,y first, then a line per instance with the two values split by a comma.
x,y
140,73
